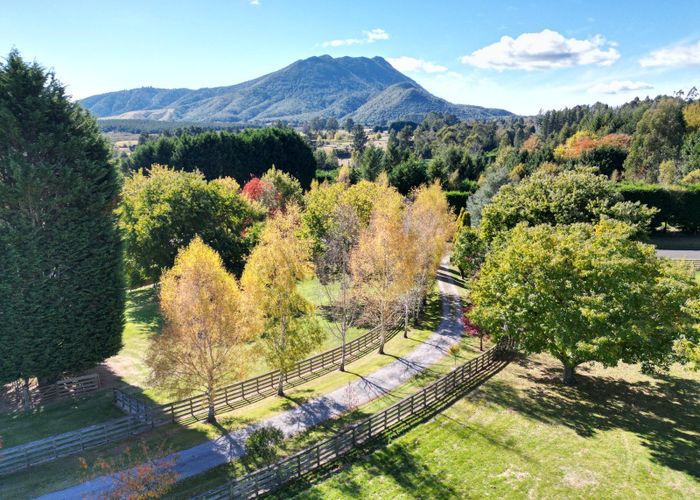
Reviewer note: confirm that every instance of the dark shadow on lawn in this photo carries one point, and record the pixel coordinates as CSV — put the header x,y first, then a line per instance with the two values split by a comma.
x,y
142,307
665,415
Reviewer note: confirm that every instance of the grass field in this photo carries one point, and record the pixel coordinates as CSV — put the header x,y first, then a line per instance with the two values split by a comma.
x,y
63,473
616,434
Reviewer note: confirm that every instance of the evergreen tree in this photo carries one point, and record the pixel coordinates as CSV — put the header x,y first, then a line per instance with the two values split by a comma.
x,y
61,280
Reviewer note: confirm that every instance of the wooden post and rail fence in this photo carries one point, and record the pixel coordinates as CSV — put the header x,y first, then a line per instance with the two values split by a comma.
x,y
426,401
141,416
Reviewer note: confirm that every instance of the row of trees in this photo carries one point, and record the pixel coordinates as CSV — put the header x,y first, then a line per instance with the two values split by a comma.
x,y
376,263
229,154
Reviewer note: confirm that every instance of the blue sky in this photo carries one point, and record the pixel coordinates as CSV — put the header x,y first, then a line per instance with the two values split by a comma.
x,y
522,56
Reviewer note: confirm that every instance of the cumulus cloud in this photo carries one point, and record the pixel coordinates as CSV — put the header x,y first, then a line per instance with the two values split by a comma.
x,y
413,65
684,54
370,36
619,86
544,50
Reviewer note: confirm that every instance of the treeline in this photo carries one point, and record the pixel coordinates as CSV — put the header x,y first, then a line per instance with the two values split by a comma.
x,y
227,154
651,141
136,126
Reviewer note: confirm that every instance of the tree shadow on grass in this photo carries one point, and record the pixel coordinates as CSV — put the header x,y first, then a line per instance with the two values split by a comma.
x,y
142,307
665,414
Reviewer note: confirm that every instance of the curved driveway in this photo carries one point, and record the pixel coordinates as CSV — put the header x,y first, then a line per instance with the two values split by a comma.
x,y
212,453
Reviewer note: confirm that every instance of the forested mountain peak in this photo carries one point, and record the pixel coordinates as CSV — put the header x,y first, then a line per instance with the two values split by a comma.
x,y
369,90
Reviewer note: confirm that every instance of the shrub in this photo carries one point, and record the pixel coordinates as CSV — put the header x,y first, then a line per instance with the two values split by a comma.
x,y
261,446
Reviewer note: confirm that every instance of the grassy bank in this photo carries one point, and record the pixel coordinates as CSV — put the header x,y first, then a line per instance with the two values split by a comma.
x,y
616,434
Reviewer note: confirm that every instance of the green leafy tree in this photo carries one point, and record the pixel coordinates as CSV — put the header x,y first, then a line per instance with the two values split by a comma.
x,y
348,124
469,251
572,196
408,174
658,137
585,293
287,187
229,154
164,209
61,278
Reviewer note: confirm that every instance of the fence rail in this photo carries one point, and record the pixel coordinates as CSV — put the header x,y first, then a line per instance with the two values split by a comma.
x,y
73,387
142,416
249,391
440,392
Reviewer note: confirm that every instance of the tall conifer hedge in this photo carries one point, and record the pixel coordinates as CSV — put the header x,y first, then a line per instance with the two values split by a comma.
x,y
61,280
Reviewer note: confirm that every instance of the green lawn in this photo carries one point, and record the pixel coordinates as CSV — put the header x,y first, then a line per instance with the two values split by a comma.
x,y
66,472
131,373
616,434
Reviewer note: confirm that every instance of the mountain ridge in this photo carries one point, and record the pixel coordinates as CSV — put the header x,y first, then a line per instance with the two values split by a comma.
x,y
368,90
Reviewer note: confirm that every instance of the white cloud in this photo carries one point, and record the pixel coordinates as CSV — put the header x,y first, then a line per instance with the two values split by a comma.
x,y
255,2
619,86
413,65
544,50
370,36
677,55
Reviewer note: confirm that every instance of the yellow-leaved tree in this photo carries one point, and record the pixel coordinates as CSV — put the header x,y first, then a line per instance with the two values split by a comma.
x,y
205,342
431,225
380,263
281,259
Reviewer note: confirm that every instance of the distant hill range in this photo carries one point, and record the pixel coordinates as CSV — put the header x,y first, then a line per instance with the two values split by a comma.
x,y
370,91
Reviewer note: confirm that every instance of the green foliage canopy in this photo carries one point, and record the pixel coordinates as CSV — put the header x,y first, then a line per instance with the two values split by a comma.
x,y
164,209
585,293
572,196
229,154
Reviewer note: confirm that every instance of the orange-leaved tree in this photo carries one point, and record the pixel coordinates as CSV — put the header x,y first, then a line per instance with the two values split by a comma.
x,y
430,225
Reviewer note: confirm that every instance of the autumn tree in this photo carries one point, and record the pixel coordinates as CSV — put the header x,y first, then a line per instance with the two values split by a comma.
x,y
334,273
584,293
281,259
378,264
430,225
153,477
204,342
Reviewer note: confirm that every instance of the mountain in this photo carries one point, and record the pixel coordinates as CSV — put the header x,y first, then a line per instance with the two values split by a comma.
x,y
369,91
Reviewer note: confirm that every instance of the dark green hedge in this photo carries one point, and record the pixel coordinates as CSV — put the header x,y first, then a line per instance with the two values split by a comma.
x,y
679,205
457,199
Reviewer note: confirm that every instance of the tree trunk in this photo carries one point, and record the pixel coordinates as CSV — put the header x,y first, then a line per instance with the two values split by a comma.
x,y
405,321
342,351
481,342
26,398
381,335
569,375
280,385
211,416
